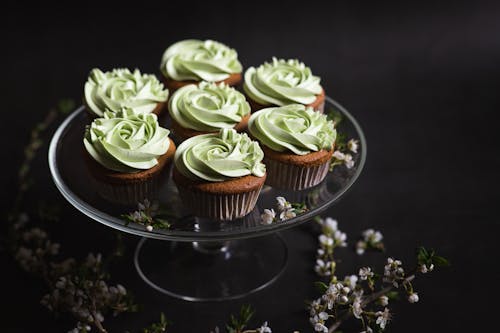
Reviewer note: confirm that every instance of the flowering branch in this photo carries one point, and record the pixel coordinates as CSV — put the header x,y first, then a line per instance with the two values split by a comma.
x,y
79,288
149,215
366,295
286,210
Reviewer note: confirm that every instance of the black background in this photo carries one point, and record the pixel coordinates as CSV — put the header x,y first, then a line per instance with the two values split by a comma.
x,y
422,79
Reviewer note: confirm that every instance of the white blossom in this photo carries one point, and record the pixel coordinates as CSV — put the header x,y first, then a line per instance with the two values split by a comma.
x,y
149,228
320,328
424,269
330,225
325,240
365,273
372,236
351,280
352,145
323,315
264,328
338,155
268,216
348,161
383,300
283,204
121,289
314,307
287,214
357,310
333,294
340,238
323,268
413,298
393,271
383,318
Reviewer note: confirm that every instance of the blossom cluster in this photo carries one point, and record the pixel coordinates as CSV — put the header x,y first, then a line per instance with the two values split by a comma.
x,y
329,239
365,295
342,156
370,240
284,210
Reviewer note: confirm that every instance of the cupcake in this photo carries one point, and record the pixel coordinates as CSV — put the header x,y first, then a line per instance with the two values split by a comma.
x,y
191,61
126,154
282,82
297,143
207,108
121,88
219,175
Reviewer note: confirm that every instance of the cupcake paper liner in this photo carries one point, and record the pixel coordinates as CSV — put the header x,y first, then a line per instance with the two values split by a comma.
x,y
220,206
294,177
128,193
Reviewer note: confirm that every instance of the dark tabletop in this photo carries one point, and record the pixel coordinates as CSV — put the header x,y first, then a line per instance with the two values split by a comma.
x,y
422,80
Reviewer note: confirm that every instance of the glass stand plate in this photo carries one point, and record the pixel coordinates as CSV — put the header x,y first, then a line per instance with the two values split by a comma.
x,y
66,162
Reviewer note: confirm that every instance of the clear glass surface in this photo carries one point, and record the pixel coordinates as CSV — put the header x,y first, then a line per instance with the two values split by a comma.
x,y
66,162
211,271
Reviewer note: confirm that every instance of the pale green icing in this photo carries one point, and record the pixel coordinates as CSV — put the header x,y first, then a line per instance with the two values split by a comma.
x,y
292,128
121,88
198,60
126,141
208,106
282,82
219,156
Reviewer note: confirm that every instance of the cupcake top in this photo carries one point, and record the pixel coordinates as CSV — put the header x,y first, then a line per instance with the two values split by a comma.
x,y
121,88
292,128
220,156
282,82
198,60
208,106
126,141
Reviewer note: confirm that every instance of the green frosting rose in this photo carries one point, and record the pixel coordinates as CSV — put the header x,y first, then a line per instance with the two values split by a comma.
x,y
282,82
197,60
292,128
219,156
126,141
208,106
120,88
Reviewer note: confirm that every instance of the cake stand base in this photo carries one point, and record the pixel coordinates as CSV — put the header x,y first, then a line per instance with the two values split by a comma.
x,y
211,271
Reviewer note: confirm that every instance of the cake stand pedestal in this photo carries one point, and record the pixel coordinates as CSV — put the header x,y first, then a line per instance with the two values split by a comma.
x,y
198,259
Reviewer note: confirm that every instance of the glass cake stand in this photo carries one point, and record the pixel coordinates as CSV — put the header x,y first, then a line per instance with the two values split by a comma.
x,y
198,259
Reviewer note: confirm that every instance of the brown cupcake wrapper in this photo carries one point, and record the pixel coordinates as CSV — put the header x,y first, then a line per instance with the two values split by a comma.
x,y
128,193
294,177
220,206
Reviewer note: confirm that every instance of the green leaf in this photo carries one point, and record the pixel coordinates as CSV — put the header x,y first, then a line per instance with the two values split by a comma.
x,y
334,116
422,255
322,287
341,141
440,261
239,324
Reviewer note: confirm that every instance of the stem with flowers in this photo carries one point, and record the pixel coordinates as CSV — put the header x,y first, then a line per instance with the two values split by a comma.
x,y
366,295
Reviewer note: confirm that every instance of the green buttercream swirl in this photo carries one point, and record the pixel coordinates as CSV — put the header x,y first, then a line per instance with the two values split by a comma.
x,y
282,82
126,141
197,60
292,128
208,106
121,88
219,156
